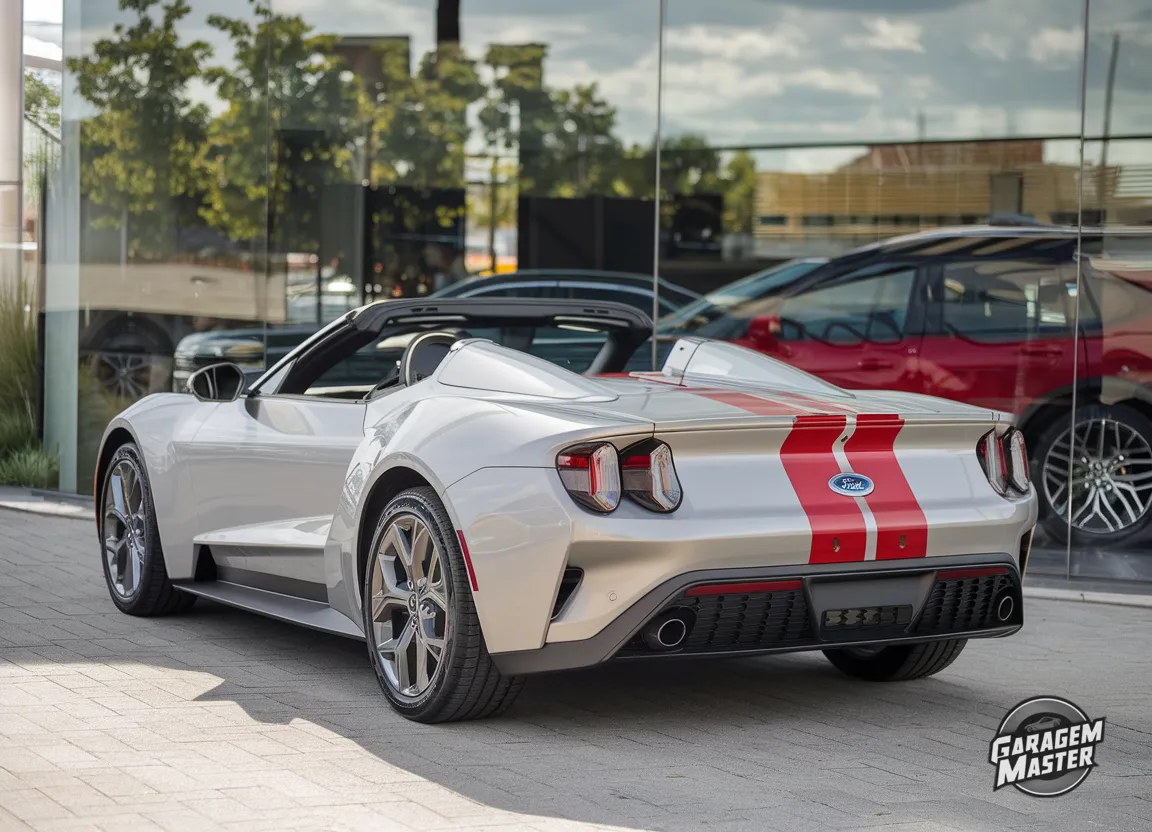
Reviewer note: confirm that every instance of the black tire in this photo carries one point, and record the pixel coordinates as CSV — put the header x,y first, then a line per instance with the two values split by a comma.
x,y
899,663
155,594
1055,522
466,684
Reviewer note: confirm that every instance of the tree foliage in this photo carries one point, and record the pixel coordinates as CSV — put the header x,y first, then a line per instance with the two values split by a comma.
x,y
41,100
298,116
141,147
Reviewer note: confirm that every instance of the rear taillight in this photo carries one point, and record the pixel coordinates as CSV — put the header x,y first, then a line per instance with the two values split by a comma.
x,y
1016,454
991,454
591,474
649,477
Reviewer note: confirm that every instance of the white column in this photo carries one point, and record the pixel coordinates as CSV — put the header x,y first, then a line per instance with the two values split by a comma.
x,y
11,123
61,240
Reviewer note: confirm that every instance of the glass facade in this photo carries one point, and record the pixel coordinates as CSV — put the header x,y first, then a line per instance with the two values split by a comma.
x,y
949,201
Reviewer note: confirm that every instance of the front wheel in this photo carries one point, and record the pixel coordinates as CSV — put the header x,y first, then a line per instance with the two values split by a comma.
x,y
897,663
1104,467
423,633
132,556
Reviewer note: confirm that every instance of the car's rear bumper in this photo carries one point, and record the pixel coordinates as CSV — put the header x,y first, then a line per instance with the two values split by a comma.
x,y
739,612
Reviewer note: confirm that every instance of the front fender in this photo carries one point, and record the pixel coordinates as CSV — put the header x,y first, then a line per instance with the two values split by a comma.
x,y
162,426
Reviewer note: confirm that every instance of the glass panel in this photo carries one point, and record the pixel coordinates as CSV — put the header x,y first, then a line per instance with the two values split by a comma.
x,y
433,141
1111,491
155,228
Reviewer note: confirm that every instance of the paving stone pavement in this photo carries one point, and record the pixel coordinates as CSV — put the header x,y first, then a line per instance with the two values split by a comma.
x,y
223,720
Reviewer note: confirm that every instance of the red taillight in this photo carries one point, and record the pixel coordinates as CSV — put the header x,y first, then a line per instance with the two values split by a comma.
x,y
1016,454
991,455
649,476
591,474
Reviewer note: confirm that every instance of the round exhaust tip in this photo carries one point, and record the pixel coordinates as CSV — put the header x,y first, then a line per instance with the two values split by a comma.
x,y
1005,608
671,633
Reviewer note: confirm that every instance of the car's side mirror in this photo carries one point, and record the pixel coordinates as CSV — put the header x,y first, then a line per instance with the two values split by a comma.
x,y
224,382
764,332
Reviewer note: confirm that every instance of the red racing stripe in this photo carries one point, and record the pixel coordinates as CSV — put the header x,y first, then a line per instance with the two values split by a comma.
x,y
901,528
838,531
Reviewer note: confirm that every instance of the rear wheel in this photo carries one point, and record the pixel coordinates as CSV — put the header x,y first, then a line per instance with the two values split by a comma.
x,y
423,633
133,560
1109,457
897,663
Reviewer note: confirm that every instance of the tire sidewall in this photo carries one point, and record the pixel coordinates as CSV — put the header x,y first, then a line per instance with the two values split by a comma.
x,y
1056,524
416,503
152,551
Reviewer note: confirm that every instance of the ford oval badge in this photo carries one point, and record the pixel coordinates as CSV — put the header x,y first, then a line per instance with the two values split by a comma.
x,y
851,485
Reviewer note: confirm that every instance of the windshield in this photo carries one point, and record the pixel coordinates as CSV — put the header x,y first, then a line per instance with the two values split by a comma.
x,y
712,311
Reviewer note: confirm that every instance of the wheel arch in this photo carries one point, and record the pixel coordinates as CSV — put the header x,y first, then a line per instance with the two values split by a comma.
x,y
391,482
117,436
1099,390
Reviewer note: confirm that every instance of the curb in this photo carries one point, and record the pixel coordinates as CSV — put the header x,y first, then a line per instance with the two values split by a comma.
x,y
1118,599
21,499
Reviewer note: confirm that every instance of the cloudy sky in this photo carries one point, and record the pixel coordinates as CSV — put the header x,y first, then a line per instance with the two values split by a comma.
x,y
772,72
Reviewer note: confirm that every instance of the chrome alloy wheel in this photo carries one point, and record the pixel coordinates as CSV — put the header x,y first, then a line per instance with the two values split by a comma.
x,y
1111,484
410,612
124,528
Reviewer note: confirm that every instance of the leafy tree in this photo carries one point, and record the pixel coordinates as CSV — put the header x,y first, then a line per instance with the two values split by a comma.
x,y
420,125
740,193
290,82
137,154
41,100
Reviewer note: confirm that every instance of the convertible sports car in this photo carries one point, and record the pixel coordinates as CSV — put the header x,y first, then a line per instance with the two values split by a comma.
x,y
419,476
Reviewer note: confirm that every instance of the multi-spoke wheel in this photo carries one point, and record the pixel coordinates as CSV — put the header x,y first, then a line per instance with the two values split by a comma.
x,y
1098,474
410,612
424,637
133,560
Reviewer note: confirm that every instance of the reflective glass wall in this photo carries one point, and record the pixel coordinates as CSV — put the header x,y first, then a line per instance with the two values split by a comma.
x,y
884,195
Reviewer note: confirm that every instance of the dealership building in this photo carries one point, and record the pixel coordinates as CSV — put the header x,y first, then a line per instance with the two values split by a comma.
x,y
261,167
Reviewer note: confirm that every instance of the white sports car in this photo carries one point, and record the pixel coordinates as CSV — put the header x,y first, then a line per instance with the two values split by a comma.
x,y
428,477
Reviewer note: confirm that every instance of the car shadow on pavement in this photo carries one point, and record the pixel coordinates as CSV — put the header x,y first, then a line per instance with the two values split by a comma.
x,y
658,745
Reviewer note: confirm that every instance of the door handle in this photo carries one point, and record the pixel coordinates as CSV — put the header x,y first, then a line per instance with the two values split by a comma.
x,y
874,364
1042,352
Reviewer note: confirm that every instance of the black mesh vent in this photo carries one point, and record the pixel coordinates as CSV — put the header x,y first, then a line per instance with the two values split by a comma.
x,y
568,585
960,604
741,621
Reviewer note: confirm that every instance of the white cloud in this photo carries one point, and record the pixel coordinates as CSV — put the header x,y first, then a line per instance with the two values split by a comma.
x,y
990,45
1056,45
888,36
733,42
850,82
42,49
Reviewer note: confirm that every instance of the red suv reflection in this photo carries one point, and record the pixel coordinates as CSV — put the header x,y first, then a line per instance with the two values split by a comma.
x,y
987,316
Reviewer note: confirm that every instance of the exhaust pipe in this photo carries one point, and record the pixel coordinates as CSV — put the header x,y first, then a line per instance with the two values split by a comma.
x,y
1005,607
667,631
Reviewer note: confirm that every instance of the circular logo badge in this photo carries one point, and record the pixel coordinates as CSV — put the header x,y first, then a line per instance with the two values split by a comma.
x,y
851,485
1045,747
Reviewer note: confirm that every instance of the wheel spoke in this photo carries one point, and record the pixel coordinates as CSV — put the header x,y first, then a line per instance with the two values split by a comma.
x,y
421,543
422,678
395,546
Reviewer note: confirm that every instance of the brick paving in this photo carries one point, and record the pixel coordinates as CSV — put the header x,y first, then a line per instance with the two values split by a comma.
x,y
223,720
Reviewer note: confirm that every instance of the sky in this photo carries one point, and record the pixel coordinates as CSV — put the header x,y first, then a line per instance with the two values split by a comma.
x,y
756,72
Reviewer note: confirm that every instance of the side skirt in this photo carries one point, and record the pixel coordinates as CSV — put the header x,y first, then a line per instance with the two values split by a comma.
x,y
312,614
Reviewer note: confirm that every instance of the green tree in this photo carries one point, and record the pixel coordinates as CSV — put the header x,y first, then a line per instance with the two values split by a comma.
x,y
740,193
41,100
287,82
420,126
137,154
